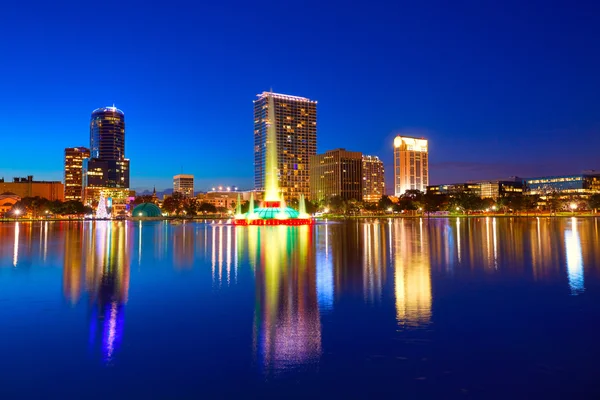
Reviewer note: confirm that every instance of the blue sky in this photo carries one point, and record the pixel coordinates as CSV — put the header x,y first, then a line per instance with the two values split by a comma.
x,y
499,88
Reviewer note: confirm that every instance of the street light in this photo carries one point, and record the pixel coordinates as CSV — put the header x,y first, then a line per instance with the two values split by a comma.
x,y
573,207
17,212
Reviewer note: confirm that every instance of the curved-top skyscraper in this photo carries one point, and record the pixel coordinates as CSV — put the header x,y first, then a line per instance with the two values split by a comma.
x,y
107,134
107,169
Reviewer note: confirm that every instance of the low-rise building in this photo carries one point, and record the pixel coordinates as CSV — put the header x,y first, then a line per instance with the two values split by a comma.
x,y
7,201
27,187
587,183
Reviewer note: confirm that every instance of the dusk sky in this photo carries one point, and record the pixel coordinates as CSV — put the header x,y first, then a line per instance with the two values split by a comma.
x,y
499,88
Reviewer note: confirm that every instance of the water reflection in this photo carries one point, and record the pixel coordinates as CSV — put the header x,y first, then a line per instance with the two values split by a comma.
x,y
574,258
107,283
299,274
325,280
412,273
287,327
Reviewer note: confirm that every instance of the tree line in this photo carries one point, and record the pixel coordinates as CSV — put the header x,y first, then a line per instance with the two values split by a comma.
x,y
40,206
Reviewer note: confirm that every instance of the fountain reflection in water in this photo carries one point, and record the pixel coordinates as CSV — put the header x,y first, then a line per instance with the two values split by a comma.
x,y
287,327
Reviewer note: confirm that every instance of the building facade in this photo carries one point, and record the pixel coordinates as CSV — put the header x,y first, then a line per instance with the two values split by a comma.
x,y
7,201
220,199
411,164
483,189
373,180
502,188
74,157
184,184
107,169
27,187
581,184
296,131
336,173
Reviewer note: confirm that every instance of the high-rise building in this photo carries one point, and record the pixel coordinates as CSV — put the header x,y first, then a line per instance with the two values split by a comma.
x,y
184,184
373,179
411,164
336,173
74,157
296,131
107,169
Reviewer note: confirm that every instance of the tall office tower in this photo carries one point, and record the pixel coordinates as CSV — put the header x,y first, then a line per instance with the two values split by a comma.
x,y
107,169
373,179
296,131
74,157
411,166
336,173
184,184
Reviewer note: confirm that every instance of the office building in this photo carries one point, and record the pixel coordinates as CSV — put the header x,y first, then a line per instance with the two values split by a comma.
x,y
27,187
296,140
74,157
411,164
373,180
336,173
184,184
586,183
484,189
107,169
501,188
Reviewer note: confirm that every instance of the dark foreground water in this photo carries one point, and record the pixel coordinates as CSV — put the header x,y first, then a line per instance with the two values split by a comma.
x,y
440,308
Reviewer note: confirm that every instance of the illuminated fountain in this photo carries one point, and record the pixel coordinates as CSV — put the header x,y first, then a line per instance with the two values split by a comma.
x,y
273,210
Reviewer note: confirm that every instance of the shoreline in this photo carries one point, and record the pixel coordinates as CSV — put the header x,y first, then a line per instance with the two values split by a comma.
x,y
321,218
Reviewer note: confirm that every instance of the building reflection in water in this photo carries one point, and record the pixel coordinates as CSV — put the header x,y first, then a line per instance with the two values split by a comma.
x,y
287,327
324,260
412,272
107,282
224,254
73,256
374,260
574,258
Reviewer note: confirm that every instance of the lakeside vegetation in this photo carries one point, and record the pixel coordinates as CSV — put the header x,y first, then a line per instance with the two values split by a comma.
x,y
411,204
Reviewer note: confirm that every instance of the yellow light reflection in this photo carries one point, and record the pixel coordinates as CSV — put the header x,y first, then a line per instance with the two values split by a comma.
x,y
412,275
16,246
574,259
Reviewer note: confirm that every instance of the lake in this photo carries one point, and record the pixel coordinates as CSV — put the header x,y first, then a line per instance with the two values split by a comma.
x,y
403,308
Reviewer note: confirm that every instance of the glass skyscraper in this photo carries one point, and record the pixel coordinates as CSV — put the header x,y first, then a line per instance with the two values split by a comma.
x,y
107,168
296,128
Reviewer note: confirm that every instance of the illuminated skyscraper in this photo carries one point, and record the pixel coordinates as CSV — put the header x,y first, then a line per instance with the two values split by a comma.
x,y
411,164
74,157
296,130
184,184
336,173
107,169
373,179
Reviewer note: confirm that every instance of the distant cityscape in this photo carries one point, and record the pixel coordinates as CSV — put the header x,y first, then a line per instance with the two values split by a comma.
x,y
101,173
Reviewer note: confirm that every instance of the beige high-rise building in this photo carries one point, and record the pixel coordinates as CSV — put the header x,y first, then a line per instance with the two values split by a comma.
x,y
296,131
184,184
373,179
74,157
336,173
411,164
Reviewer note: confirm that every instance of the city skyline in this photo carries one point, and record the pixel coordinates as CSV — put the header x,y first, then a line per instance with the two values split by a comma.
x,y
483,86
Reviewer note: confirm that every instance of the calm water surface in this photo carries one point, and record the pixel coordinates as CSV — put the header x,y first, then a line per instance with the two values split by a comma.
x,y
439,308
